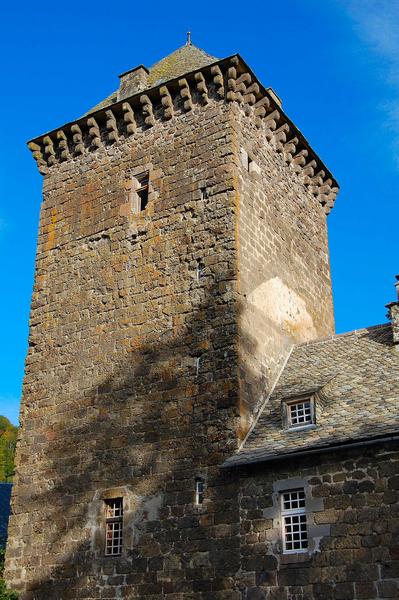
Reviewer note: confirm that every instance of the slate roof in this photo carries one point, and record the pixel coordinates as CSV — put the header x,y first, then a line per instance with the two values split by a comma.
x,y
5,495
356,378
183,60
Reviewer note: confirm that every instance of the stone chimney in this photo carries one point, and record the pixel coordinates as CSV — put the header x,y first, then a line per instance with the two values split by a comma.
x,y
132,82
393,315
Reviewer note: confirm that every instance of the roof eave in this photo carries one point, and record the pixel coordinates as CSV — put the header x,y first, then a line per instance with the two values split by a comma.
x,y
234,461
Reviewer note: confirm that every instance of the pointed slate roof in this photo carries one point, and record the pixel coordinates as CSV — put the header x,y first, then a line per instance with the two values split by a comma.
x,y
185,59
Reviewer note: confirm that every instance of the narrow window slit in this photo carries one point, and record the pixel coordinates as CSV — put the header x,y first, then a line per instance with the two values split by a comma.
x,y
199,491
142,190
197,365
204,193
200,270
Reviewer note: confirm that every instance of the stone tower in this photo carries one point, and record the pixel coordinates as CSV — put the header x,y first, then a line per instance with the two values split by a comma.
x,y
182,251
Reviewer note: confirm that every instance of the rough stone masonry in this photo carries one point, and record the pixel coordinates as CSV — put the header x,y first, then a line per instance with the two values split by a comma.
x,y
182,252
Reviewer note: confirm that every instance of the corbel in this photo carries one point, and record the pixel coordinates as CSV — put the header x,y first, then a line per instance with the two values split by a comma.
x,y
325,189
63,145
38,156
185,94
128,117
49,151
299,160
289,149
231,95
202,87
94,132
148,111
280,136
261,107
245,78
316,182
111,126
241,84
250,94
77,139
247,91
271,123
218,80
330,200
308,171
167,102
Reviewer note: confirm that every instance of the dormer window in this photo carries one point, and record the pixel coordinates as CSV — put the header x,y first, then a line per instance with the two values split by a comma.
x,y
299,412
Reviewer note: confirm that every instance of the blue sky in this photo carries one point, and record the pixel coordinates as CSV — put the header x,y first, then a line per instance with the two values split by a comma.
x,y
334,63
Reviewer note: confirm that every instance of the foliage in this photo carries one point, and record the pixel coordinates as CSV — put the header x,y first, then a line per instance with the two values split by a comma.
x,y
4,593
8,438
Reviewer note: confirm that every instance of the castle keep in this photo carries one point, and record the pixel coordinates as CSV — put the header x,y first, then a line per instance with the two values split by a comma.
x,y
191,426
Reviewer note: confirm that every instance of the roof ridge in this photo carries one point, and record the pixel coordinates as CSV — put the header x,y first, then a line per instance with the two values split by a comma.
x,y
344,334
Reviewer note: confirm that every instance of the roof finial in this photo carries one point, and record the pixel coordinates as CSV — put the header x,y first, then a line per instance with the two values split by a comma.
x,y
188,43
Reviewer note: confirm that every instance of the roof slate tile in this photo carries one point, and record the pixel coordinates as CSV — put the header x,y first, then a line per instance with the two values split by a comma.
x,y
357,375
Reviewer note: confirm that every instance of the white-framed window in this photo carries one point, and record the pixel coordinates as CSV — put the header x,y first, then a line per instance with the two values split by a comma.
x,y
294,521
199,491
300,412
113,526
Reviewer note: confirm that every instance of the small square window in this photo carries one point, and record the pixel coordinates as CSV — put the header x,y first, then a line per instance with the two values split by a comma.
x,y
113,526
299,412
294,521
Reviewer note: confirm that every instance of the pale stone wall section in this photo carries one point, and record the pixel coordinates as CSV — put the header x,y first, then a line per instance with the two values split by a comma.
x,y
284,272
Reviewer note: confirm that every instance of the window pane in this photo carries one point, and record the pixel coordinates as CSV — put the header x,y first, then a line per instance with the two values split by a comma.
x,y
114,526
300,413
295,522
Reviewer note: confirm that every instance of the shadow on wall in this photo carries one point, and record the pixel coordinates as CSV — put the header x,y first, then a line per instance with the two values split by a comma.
x,y
167,413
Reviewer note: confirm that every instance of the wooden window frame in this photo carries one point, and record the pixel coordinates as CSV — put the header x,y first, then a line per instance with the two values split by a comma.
x,y
294,521
113,526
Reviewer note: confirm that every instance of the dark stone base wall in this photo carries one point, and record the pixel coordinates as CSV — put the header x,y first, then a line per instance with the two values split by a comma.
x,y
354,507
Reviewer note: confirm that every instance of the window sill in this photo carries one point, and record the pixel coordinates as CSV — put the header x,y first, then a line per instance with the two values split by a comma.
x,y
301,428
298,557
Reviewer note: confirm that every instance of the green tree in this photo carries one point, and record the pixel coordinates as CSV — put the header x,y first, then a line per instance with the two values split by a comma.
x,y
4,593
8,439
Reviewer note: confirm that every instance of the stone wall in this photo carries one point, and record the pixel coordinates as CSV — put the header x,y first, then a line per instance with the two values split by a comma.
x,y
132,381
131,377
284,271
353,509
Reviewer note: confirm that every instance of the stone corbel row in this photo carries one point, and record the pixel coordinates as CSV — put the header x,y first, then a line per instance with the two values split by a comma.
x,y
281,134
228,84
92,133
